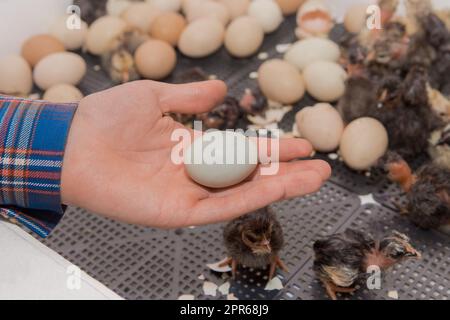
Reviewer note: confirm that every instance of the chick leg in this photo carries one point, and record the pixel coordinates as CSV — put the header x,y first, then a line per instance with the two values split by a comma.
x,y
332,289
274,264
230,262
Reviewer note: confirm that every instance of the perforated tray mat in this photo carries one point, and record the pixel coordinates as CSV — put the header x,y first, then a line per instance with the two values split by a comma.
x,y
145,263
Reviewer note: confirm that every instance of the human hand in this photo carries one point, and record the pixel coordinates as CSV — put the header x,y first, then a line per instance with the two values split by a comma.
x,y
117,161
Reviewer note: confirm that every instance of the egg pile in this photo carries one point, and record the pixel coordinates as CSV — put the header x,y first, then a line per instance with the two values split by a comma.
x,y
140,39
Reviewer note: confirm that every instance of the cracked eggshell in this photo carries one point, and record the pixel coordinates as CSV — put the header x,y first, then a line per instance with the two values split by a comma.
x,y
355,18
72,39
57,68
208,8
313,19
104,34
140,15
280,81
37,47
244,37
201,38
206,158
321,125
268,14
62,93
325,80
155,59
15,76
304,52
364,141
236,8
289,6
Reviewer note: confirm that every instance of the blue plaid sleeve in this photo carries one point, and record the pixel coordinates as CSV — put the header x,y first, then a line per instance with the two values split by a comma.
x,y
32,140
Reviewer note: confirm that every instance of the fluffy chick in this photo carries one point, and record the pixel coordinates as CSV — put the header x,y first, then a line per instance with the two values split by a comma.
x,y
254,240
439,147
342,259
428,191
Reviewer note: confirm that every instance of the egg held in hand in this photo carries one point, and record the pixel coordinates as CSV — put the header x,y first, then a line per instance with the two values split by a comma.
x,y
220,159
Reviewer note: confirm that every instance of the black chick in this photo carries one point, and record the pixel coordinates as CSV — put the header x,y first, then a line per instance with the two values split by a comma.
x,y
342,259
254,240
224,116
428,191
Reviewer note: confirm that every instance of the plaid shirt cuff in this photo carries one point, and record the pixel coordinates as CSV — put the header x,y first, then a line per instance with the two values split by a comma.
x,y
33,136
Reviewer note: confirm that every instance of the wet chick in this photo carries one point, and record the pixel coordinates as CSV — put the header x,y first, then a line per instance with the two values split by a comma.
x,y
342,259
253,102
224,116
428,191
254,240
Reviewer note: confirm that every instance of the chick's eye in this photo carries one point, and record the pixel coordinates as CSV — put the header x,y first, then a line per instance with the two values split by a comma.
x,y
398,253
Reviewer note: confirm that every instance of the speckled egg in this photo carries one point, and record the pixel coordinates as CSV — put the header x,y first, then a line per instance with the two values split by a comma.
x,y
15,76
63,93
355,18
104,34
268,14
57,68
280,81
40,46
207,161
243,37
364,141
72,39
155,59
325,80
236,8
289,6
201,37
141,15
168,27
304,52
321,125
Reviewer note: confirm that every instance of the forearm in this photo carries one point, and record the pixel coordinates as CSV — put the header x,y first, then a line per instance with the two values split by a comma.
x,y
33,135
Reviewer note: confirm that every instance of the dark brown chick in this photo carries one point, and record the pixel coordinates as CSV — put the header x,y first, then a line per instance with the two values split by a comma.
x,y
428,192
224,116
342,259
254,240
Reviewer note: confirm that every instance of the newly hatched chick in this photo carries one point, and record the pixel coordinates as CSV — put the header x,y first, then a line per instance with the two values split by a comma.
x,y
224,116
428,191
254,240
439,147
342,259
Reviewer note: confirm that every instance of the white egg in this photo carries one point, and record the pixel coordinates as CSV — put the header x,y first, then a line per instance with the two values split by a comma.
x,y
208,8
304,52
321,125
281,81
236,8
62,93
325,80
355,18
72,39
219,159
104,34
57,68
268,13
141,15
117,7
364,141
243,37
201,38
166,5
15,76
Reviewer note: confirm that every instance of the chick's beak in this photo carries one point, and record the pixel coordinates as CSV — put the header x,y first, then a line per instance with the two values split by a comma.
x,y
413,253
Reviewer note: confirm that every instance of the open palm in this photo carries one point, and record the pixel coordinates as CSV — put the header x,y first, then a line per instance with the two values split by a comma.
x,y
117,161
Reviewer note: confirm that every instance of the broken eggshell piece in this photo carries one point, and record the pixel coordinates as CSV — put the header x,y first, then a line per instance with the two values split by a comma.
x,y
219,159
313,19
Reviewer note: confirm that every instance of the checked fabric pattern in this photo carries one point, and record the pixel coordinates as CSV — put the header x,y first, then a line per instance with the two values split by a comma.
x,y
33,135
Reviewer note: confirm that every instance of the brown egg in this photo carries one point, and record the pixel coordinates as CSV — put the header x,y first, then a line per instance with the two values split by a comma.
x,y
168,27
236,8
40,46
280,81
355,18
289,6
155,59
243,37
